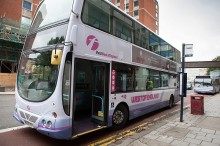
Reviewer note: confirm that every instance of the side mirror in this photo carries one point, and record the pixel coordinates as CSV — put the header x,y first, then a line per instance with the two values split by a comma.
x,y
56,57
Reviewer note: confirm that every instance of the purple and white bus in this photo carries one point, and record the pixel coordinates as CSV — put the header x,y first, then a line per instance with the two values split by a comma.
x,y
87,65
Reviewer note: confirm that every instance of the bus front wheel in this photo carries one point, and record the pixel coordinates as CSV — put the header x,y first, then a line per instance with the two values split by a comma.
x,y
120,117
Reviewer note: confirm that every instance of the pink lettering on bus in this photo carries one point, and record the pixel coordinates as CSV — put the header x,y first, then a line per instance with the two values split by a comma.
x,y
106,55
142,98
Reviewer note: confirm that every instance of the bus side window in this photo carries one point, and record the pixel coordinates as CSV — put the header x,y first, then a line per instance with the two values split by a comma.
x,y
124,77
98,17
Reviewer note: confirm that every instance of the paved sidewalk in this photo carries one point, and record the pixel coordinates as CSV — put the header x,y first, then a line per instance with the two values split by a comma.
x,y
195,130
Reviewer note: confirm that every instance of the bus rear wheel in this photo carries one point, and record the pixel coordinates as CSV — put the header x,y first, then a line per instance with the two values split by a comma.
x,y
120,117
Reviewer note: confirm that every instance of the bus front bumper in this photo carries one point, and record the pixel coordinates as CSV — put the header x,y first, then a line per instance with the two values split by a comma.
x,y
56,133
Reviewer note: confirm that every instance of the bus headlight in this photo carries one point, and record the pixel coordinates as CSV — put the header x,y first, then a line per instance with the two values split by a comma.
x,y
49,124
44,123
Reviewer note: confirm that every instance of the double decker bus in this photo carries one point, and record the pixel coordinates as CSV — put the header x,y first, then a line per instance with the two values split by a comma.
x,y
87,65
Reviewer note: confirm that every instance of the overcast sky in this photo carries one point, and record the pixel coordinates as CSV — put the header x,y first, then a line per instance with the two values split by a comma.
x,y
194,22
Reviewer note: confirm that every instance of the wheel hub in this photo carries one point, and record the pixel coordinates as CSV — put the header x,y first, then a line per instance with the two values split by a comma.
x,y
118,117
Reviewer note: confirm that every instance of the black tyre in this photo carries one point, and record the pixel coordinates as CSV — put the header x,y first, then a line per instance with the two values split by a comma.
x,y
120,117
171,102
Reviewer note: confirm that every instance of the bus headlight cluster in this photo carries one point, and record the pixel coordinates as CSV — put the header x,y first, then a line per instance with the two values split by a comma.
x,y
46,124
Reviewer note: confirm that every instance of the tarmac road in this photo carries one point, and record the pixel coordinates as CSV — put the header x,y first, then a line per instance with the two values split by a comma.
x,y
28,136
7,103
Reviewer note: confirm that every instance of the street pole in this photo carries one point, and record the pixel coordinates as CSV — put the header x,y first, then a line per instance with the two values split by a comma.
x,y
181,94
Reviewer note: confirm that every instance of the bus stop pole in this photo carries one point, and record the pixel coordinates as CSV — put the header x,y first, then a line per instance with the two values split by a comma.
x,y
182,94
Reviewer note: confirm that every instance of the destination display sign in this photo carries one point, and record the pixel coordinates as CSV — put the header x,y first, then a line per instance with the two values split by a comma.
x,y
148,58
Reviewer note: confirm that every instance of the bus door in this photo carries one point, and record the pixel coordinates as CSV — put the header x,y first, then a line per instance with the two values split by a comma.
x,y
90,95
99,91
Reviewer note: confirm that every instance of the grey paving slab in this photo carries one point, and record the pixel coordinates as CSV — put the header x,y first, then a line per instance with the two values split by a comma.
x,y
179,143
150,142
137,143
207,139
210,123
177,132
123,142
217,132
193,141
191,135
198,133
213,136
217,141
204,143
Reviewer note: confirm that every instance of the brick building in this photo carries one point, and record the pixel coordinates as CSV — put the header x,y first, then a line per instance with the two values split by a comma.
x,y
15,19
18,9
145,11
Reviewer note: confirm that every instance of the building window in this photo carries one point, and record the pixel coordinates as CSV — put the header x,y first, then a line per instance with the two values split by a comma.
x,y
127,6
25,20
27,5
136,3
136,13
118,1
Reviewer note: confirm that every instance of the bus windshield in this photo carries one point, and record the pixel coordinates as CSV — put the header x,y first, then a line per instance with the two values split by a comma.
x,y
203,82
37,78
198,82
51,11
51,36
207,82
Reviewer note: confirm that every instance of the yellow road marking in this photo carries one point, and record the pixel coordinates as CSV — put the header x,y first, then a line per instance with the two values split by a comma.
x,y
121,135
75,136
130,132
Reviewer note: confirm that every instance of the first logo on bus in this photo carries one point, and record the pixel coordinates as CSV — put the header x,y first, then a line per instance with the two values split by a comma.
x,y
92,42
